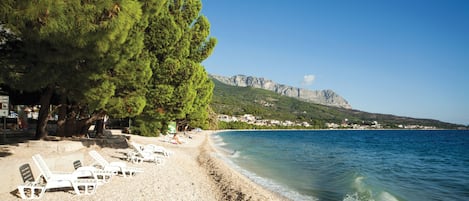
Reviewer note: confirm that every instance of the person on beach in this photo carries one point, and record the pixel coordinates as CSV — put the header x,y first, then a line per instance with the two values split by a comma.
x,y
176,139
23,118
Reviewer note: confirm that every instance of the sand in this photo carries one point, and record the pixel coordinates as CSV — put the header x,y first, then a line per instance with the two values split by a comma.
x,y
193,172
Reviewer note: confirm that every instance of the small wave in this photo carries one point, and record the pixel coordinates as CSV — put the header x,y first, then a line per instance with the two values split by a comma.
x,y
359,185
226,152
365,192
267,183
235,154
221,144
353,197
275,187
385,196
218,141
217,138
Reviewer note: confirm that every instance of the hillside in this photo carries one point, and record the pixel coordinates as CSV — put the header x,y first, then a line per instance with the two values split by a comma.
x,y
323,97
231,100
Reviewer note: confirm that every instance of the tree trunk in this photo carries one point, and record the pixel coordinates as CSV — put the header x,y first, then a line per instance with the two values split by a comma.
x,y
100,127
41,128
70,123
81,128
62,116
98,117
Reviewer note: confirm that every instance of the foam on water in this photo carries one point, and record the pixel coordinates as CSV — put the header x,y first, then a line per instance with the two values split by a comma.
x,y
352,165
365,192
217,139
385,196
382,196
235,154
220,144
267,183
226,154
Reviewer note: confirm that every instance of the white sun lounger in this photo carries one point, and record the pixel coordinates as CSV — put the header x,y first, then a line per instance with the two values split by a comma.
x,y
156,149
31,188
114,166
65,180
103,176
142,155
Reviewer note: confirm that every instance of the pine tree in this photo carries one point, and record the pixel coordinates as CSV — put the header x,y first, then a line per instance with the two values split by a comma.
x,y
89,53
178,41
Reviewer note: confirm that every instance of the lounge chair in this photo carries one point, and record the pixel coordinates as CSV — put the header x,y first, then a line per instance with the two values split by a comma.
x,y
114,166
156,149
153,149
103,176
134,157
65,180
142,155
33,187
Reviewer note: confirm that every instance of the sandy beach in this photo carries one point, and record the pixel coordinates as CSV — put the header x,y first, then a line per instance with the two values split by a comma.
x,y
193,172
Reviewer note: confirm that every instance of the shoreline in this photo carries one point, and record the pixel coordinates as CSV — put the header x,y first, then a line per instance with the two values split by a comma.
x,y
193,172
233,184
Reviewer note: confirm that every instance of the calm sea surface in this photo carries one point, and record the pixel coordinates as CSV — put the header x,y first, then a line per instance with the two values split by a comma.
x,y
353,165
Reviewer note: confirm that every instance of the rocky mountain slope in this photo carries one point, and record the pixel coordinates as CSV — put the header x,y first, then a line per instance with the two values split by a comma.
x,y
323,97
265,104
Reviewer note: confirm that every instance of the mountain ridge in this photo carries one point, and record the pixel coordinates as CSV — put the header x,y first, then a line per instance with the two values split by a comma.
x,y
324,97
237,101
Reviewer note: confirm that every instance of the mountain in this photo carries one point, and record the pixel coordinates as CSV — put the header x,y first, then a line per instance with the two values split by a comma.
x,y
266,104
323,97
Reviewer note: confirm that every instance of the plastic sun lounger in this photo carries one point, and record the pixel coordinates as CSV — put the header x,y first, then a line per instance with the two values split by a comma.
x,y
114,166
103,176
63,180
142,155
31,188
156,149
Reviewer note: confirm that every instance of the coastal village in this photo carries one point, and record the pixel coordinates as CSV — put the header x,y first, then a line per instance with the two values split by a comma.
x,y
258,121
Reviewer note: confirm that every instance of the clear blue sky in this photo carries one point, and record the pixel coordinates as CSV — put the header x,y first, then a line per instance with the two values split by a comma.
x,y
407,58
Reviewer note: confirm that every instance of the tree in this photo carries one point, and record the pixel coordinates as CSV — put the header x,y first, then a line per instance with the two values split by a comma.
x,y
198,116
89,53
178,41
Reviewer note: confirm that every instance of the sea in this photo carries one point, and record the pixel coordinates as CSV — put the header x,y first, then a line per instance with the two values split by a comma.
x,y
353,165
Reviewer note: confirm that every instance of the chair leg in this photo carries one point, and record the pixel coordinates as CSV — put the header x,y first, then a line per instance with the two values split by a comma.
x,y
43,190
124,173
32,190
103,178
21,191
89,186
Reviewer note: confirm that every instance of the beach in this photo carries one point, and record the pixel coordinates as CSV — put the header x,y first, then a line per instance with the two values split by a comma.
x,y
194,171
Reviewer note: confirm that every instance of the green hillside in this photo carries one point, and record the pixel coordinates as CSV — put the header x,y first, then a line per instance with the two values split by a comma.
x,y
233,101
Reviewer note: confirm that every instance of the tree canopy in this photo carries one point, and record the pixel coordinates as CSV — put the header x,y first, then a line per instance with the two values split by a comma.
x,y
119,58
179,90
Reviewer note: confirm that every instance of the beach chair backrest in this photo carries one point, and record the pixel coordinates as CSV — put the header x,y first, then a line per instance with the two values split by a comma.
x,y
138,148
77,164
26,173
96,156
134,144
43,168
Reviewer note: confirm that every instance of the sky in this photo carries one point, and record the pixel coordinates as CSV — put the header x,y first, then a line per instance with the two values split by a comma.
x,y
402,57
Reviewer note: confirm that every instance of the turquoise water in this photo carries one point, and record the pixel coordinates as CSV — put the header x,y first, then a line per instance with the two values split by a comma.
x,y
354,165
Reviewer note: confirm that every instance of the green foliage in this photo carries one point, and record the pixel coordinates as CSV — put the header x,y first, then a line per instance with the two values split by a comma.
x,y
179,89
73,44
199,115
266,104
146,127
234,125
90,52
